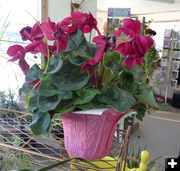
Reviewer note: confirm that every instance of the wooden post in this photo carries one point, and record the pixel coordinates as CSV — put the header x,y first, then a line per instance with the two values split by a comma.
x,y
43,10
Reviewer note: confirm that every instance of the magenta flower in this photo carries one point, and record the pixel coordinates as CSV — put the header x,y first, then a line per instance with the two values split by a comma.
x,y
130,27
87,66
32,34
85,22
67,26
18,52
103,43
150,32
53,32
137,45
44,48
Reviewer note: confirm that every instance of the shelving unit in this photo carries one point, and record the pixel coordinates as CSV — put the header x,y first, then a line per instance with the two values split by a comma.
x,y
171,56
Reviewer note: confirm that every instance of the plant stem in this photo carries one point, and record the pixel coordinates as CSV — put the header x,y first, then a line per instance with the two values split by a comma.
x,y
73,42
63,56
13,41
90,36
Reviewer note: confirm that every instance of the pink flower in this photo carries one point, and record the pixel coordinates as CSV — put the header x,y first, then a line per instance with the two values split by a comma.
x,y
103,43
18,52
44,48
85,22
87,66
137,45
32,34
53,32
150,32
67,25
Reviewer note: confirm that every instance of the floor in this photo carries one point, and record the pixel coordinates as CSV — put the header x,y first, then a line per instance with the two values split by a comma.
x,y
160,134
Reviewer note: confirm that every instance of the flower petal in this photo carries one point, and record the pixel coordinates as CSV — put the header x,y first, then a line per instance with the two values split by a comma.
x,y
129,62
142,44
12,50
32,47
138,61
26,33
87,29
16,57
36,32
49,28
125,48
23,65
61,43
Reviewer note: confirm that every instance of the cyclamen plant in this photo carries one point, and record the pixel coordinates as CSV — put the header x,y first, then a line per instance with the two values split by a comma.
x,y
79,75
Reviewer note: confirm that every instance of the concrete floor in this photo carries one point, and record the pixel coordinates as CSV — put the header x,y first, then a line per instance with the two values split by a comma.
x,y
160,132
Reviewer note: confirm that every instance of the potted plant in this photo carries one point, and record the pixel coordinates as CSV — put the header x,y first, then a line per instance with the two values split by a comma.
x,y
79,75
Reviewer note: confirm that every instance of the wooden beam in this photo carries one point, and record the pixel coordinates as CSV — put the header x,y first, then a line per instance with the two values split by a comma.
x,y
157,12
165,21
43,10
149,13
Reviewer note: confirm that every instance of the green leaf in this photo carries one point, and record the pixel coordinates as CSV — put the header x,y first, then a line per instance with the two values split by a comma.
x,y
126,80
48,103
87,162
77,38
70,77
74,58
86,95
108,75
141,110
54,165
115,97
33,102
163,106
85,106
55,64
111,60
138,74
146,96
26,88
87,50
150,110
67,105
46,87
41,123
34,73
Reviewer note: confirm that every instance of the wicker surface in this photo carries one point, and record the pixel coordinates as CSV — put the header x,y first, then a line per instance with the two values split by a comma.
x,y
43,151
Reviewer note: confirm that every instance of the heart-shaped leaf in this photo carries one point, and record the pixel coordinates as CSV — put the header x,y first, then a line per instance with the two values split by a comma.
x,y
141,110
146,96
55,64
34,73
87,50
70,77
75,38
86,95
74,58
48,103
114,97
33,102
111,60
46,87
41,123
126,80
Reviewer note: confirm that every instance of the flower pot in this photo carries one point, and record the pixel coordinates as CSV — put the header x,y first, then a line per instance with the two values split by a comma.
x,y
89,135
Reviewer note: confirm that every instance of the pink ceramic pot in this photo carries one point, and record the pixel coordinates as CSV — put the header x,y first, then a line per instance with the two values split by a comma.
x,y
90,136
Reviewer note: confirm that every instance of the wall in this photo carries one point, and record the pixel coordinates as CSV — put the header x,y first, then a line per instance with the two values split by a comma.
x,y
59,9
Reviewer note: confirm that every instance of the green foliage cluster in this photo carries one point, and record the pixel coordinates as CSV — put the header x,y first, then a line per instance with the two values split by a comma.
x,y
65,88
